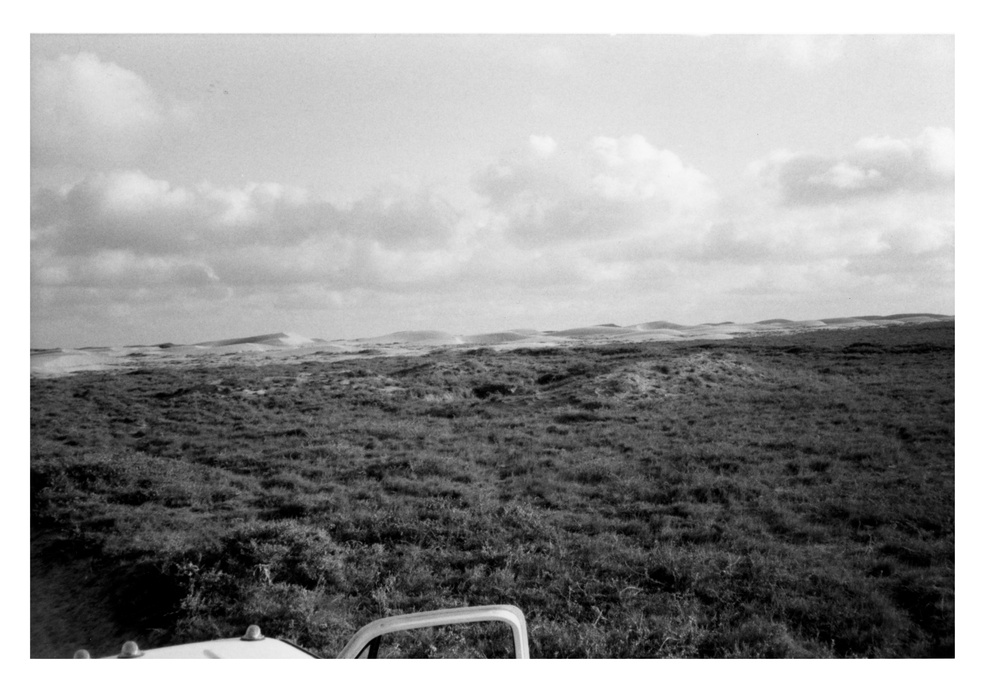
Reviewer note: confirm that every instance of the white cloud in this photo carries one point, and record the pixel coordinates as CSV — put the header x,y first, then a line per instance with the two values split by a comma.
x,y
130,210
624,204
125,228
844,176
876,166
401,217
543,146
617,220
804,52
614,188
553,59
633,170
928,158
125,269
85,111
921,236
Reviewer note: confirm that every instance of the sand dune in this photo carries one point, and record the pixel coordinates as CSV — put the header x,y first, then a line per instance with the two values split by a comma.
x,y
498,338
280,339
848,321
600,330
62,362
52,362
235,347
925,317
654,326
427,337
916,318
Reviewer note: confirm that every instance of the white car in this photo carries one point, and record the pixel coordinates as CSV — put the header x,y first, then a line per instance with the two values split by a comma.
x,y
364,644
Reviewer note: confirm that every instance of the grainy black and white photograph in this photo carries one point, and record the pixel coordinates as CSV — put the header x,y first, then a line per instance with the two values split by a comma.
x,y
492,345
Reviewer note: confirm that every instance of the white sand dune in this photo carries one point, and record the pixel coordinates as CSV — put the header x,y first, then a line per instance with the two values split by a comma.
x,y
293,340
426,337
713,336
71,362
847,321
294,347
664,334
915,319
601,330
497,338
319,346
727,328
279,339
236,347
655,326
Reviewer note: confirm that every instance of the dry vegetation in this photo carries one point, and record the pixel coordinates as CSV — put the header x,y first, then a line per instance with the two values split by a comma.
x,y
785,496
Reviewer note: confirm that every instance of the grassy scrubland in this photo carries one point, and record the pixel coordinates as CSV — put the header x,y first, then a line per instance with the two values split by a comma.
x,y
764,497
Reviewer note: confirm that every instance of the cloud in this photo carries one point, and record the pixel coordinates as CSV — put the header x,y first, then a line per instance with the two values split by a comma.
x,y
803,52
124,228
401,217
873,167
127,209
543,146
758,231
553,228
613,188
85,111
552,59
918,248
122,269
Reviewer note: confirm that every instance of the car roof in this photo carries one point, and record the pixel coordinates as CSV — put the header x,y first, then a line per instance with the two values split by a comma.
x,y
228,648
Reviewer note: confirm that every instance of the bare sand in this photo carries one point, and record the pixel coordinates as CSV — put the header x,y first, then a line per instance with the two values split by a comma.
x,y
291,347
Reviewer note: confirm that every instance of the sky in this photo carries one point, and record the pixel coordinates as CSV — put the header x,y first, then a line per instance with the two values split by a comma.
x,y
195,187
188,188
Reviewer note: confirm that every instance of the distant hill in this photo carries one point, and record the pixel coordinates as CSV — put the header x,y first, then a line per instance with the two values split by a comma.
x,y
660,330
279,339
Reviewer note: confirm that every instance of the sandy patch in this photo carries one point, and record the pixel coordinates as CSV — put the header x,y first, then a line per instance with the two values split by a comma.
x,y
294,347
586,332
72,362
498,338
422,337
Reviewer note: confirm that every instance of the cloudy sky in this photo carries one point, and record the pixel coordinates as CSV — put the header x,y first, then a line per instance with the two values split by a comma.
x,y
195,187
